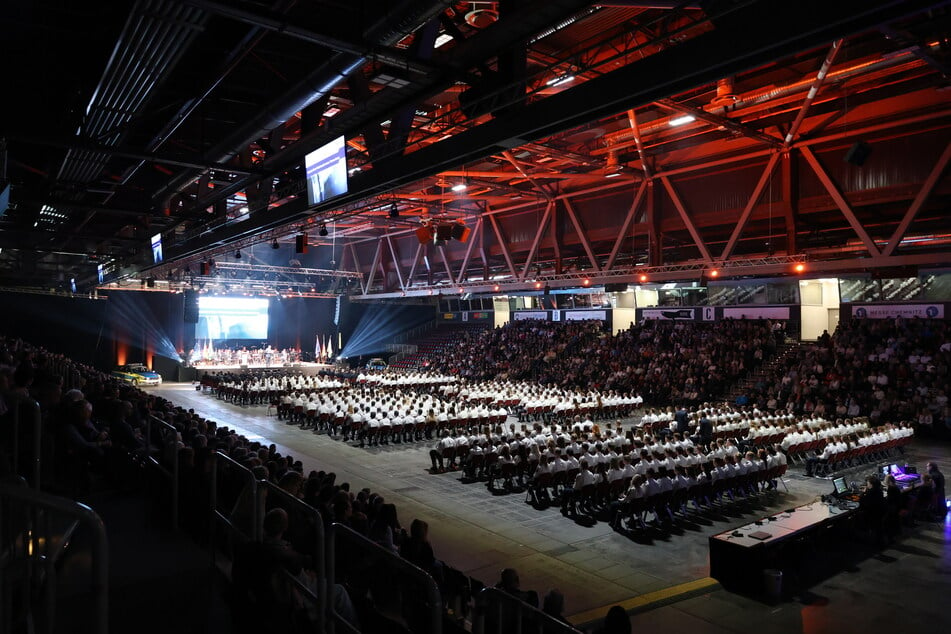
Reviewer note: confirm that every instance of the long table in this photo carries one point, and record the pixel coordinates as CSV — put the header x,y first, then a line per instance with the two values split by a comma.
x,y
738,560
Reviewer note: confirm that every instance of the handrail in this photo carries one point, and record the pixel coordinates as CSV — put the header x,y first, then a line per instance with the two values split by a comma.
x,y
252,483
173,473
40,546
318,554
37,438
391,559
495,598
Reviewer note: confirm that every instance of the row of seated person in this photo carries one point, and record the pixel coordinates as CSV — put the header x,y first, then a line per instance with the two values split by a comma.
x,y
879,437
702,488
552,413
837,454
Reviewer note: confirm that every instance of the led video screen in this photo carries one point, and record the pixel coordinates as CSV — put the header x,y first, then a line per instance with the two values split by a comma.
x,y
231,318
157,255
326,169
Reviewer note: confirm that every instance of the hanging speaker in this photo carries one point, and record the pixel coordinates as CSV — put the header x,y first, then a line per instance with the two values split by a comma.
x,y
444,232
424,235
191,306
300,243
460,232
858,153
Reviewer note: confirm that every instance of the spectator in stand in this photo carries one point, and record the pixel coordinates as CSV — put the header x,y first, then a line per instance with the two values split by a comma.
x,y
554,605
385,529
510,584
416,549
616,621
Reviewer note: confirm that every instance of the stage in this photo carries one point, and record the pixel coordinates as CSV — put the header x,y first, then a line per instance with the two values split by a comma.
x,y
300,367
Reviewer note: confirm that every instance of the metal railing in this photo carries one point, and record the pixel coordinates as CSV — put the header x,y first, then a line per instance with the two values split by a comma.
x,y
511,615
30,549
249,494
388,559
27,409
167,462
297,510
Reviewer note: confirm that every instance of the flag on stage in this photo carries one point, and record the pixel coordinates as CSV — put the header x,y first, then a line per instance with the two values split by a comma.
x,y
330,346
317,348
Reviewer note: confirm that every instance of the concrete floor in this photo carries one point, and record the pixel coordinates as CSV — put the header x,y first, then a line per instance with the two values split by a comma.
x,y
896,589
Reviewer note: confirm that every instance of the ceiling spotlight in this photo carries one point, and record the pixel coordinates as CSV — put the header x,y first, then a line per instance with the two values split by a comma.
x,y
496,288
275,244
586,282
461,186
538,284
682,120
800,267
643,278
714,273
323,230
237,254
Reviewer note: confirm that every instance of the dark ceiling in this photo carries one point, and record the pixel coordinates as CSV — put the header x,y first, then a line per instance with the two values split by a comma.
x,y
192,118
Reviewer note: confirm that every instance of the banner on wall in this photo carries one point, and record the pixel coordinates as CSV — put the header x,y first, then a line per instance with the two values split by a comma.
x,y
678,314
480,315
530,314
583,315
891,311
556,315
750,312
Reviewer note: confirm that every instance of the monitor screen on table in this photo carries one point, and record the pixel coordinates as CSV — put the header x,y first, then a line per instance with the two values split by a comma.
x,y
840,486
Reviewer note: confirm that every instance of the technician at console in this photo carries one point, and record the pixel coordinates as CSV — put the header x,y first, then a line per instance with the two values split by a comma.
x,y
872,506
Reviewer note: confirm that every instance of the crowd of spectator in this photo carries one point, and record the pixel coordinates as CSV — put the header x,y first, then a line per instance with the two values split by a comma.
x,y
888,370
663,361
96,432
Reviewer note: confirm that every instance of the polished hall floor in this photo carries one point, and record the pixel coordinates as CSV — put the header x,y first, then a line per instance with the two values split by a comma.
x,y
900,588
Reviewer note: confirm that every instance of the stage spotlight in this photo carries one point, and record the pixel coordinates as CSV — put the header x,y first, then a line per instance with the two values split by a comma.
x,y
237,254
496,288
714,273
800,267
586,282
643,278
275,244
538,285
322,231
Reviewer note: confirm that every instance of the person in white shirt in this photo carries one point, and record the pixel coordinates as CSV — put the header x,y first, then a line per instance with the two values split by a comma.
x,y
585,478
436,454
623,507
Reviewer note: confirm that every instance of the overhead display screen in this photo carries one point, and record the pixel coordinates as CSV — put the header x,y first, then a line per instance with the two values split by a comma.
x,y
157,255
231,318
326,169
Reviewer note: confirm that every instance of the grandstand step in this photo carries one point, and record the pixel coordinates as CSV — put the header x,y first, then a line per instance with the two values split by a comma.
x,y
159,580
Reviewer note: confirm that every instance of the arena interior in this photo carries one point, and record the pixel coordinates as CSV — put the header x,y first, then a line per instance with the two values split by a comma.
x,y
441,316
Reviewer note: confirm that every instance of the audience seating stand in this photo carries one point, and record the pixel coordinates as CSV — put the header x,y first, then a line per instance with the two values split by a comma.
x,y
35,529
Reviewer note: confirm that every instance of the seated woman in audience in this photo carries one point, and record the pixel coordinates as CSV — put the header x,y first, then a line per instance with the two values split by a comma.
x,y
417,550
385,529
617,621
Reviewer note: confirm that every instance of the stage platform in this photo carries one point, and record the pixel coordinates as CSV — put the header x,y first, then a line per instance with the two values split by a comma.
x,y
307,369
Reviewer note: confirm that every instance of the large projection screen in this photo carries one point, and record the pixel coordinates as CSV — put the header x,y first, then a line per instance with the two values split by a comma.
x,y
326,169
231,318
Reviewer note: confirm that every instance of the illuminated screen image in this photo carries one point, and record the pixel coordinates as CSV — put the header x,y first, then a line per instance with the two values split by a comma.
x,y
101,273
231,318
157,248
326,169
72,284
